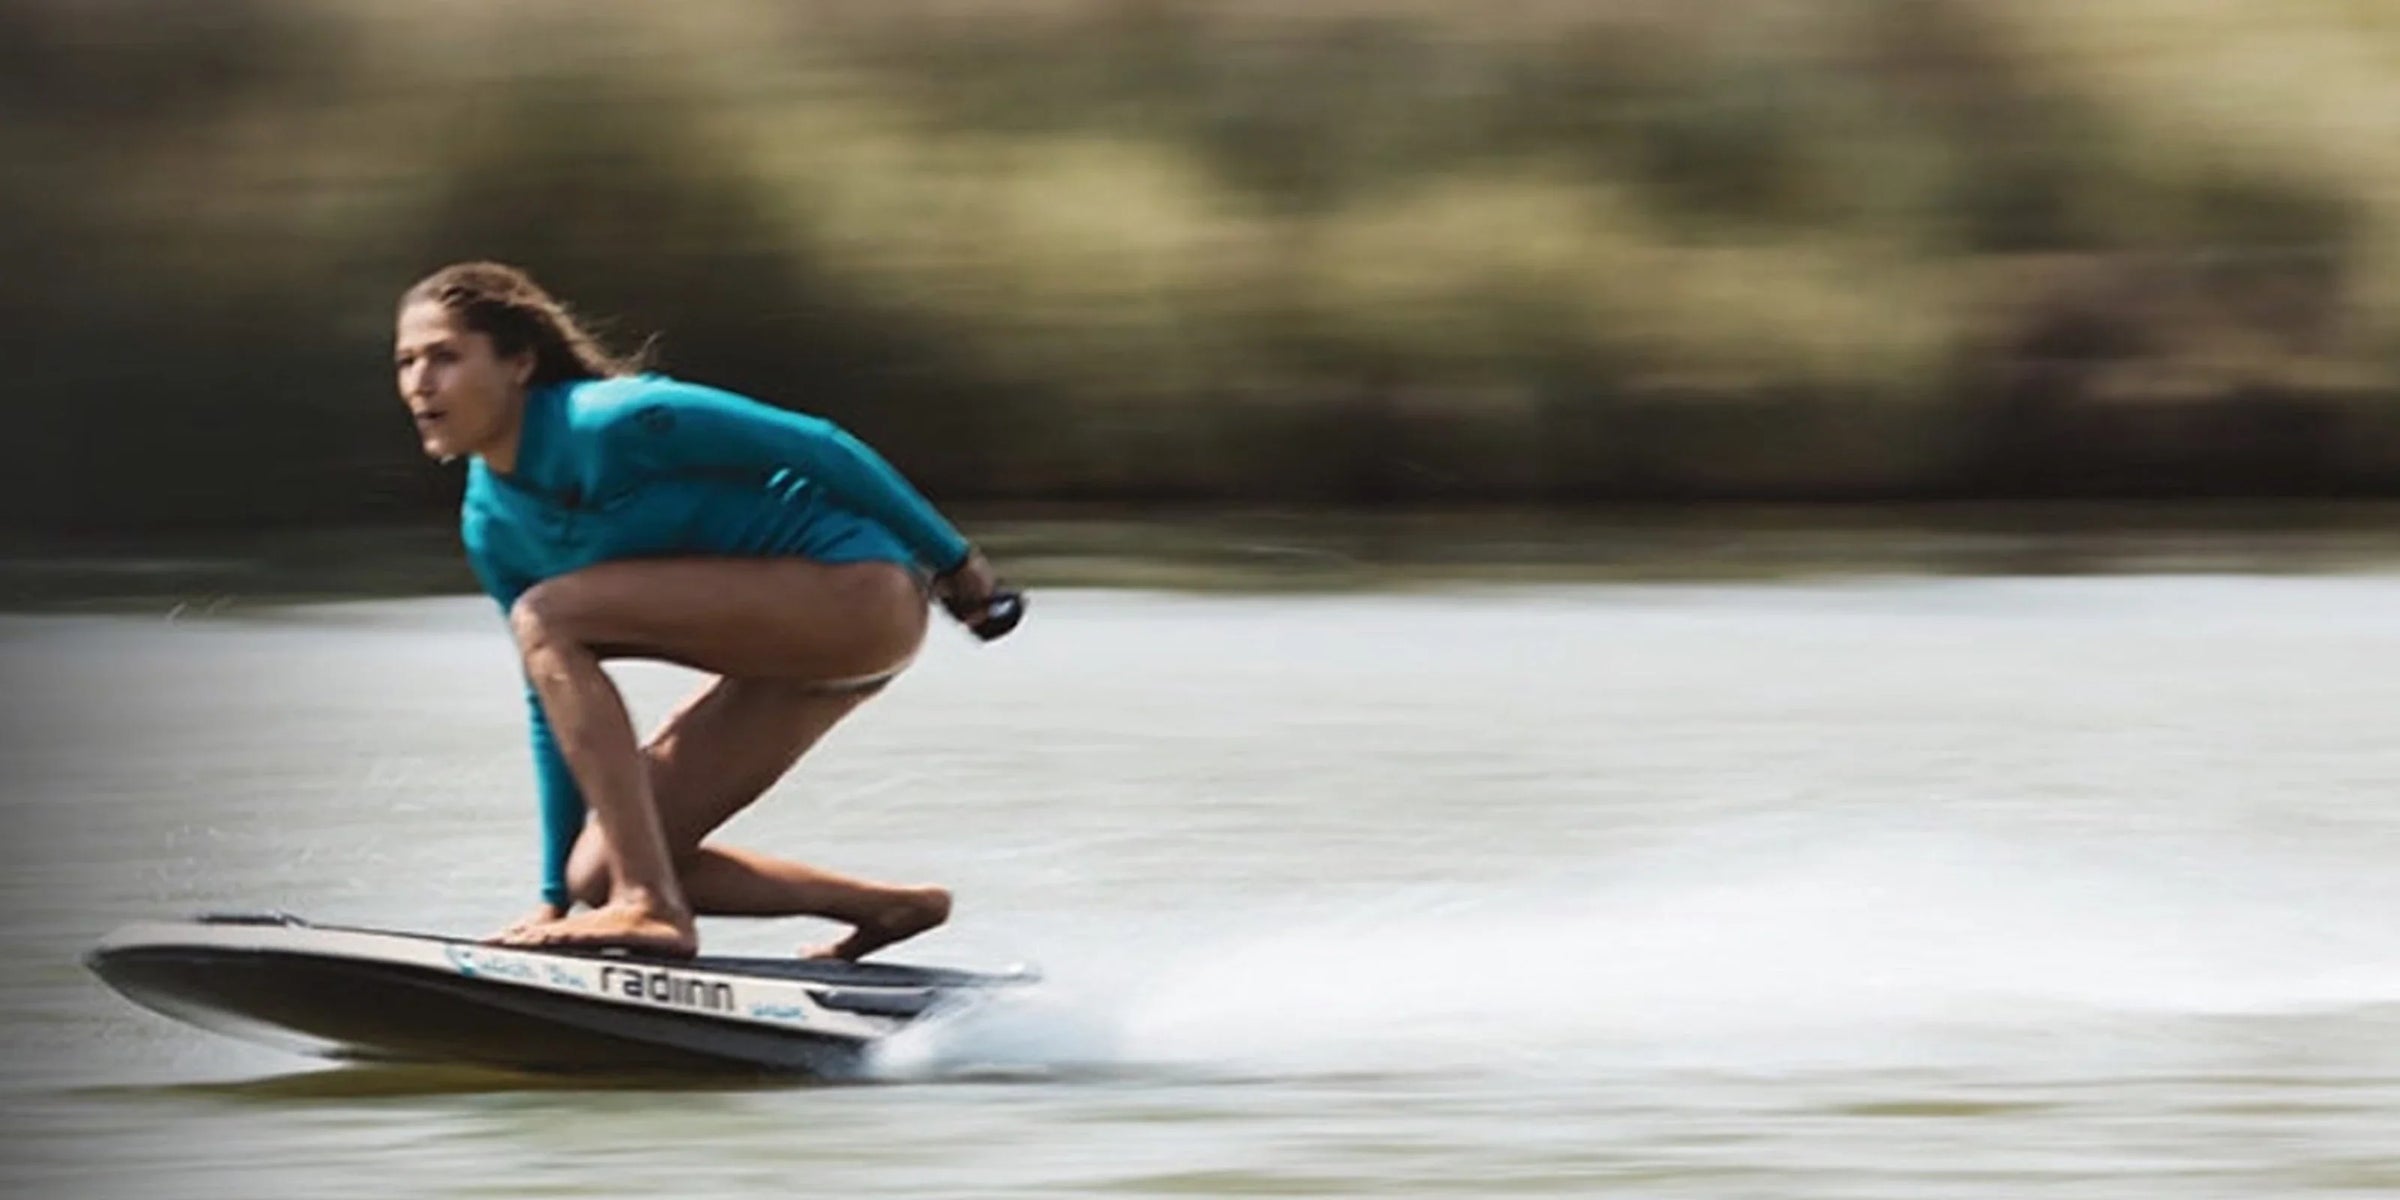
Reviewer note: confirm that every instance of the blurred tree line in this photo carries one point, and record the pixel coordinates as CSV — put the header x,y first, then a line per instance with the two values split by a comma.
x,y
1341,251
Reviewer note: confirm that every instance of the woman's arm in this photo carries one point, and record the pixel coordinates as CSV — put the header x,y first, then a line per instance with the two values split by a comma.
x,y
561,801
671,425
561,804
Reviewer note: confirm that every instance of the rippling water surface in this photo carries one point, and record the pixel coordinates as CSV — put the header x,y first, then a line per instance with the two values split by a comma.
x,y
1906,888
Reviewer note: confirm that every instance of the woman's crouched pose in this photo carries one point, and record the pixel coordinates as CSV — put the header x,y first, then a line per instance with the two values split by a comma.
x,y
615,514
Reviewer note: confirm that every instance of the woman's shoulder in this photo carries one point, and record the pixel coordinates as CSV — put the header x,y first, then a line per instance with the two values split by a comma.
x,y
648,407
590,400
601,406
618,393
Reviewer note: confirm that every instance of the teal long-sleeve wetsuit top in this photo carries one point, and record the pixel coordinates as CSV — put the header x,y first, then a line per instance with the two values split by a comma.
x,y
646,466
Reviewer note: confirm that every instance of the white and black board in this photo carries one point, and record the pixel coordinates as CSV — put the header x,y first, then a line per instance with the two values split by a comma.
x,y
386,996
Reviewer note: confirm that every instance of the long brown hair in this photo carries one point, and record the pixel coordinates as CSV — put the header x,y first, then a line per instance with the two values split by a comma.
x,y
505,304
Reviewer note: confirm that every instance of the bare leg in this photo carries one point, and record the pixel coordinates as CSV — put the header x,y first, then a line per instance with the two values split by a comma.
x,y
797,623
740,882
710,760
645,908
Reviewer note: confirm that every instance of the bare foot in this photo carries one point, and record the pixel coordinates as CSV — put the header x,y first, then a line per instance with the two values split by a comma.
x,y
541,915
922,909
613,926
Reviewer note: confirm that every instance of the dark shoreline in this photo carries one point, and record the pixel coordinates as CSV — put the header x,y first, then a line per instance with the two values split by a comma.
x,y
1280,549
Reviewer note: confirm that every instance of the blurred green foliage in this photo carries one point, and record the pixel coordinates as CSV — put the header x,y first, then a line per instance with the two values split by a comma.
x,y
1339,251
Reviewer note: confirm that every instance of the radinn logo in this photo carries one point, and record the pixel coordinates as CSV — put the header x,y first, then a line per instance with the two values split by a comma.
x,y
660,986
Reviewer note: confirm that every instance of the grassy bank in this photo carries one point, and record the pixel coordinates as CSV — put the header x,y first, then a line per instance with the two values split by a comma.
x,y
1073,250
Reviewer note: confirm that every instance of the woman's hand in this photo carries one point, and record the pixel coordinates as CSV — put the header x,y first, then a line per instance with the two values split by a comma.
x,y
972,593
542,915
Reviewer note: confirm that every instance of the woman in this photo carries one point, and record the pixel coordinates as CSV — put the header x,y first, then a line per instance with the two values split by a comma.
x,y
616,514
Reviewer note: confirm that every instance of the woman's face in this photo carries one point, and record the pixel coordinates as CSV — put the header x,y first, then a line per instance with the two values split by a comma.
x,y
465,397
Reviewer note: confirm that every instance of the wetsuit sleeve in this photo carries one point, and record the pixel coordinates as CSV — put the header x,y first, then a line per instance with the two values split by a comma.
x,y
561,804
562,807
682,426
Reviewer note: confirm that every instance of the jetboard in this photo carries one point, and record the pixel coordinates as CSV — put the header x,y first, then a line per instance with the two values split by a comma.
x,y
378,995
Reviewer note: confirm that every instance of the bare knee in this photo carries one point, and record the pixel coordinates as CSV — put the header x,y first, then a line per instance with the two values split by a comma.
x,y
545,615
933,904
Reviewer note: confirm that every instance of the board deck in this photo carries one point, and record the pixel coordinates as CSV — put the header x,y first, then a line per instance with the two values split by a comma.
x,y
385,995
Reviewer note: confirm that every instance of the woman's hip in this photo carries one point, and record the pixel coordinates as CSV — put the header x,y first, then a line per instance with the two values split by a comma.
x,y
839,623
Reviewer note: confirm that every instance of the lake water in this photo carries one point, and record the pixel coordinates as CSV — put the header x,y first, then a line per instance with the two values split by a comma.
x,y
1866,887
